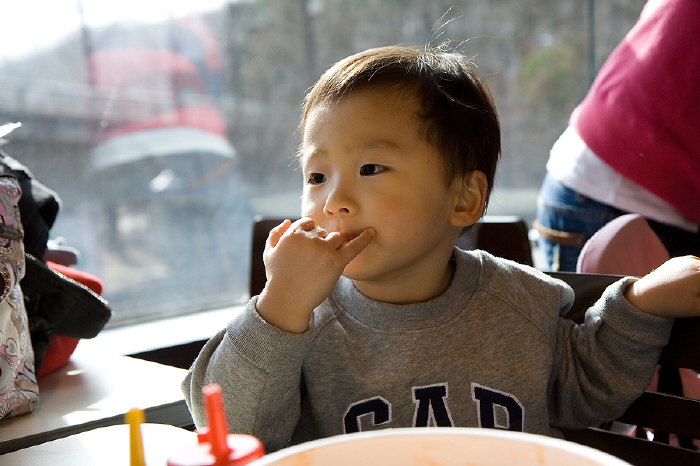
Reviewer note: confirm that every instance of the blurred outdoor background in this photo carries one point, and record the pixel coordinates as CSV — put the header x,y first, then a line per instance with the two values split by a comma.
x,y
166,126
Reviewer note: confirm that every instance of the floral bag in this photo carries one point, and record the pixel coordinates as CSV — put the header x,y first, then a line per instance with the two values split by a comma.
x,y
19,392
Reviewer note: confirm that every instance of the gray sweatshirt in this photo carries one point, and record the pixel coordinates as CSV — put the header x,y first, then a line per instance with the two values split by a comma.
x,y
492,351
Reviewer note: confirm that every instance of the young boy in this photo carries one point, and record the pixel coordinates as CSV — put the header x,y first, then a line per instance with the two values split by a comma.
x,y
371,318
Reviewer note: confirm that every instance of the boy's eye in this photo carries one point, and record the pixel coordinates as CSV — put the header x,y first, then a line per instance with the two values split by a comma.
x,y
371,169
316,178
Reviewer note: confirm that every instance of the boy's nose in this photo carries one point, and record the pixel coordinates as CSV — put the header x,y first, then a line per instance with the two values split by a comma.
x,y
339,202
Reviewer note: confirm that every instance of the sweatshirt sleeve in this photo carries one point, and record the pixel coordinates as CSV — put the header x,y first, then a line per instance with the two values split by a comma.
x,y
605,363
258,368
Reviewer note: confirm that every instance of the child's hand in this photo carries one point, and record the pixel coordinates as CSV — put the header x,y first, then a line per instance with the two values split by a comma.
x,y
302,263
672,290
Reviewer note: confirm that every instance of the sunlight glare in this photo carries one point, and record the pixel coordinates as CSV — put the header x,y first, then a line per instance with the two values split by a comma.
x,y
35,24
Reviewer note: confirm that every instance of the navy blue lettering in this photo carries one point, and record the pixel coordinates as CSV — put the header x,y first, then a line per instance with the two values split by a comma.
x,y
431,408
491,403
378,408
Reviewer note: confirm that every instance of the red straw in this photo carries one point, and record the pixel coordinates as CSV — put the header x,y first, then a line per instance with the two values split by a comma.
x,y
217,426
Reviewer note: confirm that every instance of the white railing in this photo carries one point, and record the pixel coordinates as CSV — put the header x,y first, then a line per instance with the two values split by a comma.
x,y
48,98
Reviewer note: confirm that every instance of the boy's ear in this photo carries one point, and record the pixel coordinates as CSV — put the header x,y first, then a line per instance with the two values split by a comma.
x,y
471,197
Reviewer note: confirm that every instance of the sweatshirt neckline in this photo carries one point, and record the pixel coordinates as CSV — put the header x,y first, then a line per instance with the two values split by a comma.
x,y
401,317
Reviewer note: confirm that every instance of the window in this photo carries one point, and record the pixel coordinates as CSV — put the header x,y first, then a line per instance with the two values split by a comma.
x,y
165,127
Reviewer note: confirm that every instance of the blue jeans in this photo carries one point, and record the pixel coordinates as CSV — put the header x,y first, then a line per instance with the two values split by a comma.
x,y
564,210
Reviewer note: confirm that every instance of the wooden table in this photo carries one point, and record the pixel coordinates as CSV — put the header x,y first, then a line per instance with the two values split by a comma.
x,y
97,391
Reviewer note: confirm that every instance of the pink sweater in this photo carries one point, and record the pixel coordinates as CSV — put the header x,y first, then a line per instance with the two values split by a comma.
x,y
642,113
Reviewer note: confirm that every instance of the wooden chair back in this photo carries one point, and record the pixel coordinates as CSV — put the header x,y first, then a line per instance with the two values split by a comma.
x,y
502,235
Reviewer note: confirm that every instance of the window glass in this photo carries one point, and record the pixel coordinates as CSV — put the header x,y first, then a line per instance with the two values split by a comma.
x,y
166,126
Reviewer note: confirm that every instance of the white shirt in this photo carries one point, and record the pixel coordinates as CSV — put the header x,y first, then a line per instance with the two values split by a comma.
x,y
573,164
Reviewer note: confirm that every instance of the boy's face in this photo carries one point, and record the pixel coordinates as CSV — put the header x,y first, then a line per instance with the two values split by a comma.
x,y
366,164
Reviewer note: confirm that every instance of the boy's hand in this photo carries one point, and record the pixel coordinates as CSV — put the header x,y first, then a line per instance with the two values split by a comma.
x,y
671,290
302,263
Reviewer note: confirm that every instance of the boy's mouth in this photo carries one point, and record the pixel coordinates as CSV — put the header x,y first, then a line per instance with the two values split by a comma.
x,y
347,232
349,236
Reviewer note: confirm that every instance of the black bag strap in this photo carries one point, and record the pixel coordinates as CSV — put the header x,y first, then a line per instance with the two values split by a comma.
x,y
71,308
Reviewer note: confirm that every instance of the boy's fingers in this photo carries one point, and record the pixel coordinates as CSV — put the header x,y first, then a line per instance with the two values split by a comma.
x,y
356,245
276,233
306,224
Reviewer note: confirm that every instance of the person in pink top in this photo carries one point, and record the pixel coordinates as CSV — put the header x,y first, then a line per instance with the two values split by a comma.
x,y
633,143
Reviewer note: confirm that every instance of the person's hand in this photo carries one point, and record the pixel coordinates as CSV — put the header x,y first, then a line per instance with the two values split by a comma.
x,y
302,263
671,290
